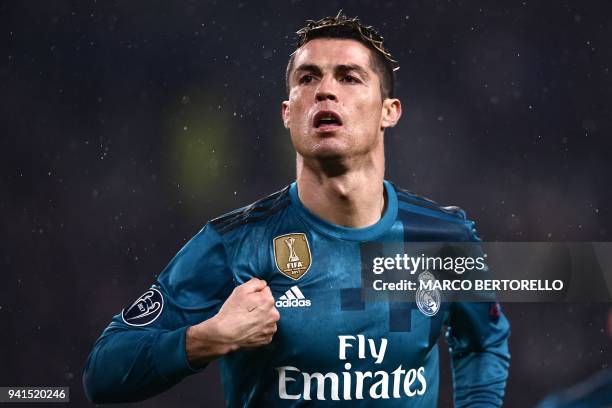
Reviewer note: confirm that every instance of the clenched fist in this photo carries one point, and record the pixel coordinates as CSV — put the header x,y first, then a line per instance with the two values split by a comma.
x,y
246,319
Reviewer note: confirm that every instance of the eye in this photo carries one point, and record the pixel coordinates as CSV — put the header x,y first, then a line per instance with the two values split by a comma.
x,y
306,79
350,79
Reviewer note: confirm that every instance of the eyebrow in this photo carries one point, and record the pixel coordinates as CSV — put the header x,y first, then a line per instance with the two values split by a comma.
x,y
338,68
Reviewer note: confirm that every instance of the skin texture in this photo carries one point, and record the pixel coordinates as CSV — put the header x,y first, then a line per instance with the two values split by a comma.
x,y
339,174
318,82
247,319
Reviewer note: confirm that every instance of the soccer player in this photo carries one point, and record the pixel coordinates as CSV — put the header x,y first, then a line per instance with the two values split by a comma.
x,y
273,290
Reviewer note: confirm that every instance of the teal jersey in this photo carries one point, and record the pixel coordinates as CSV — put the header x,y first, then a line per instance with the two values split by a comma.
x,y
332,345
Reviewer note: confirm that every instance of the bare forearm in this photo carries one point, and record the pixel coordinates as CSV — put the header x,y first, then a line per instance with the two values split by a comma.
x,y
204,343
246,319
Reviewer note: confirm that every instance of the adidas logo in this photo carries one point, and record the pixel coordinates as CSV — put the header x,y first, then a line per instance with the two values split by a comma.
x,y
293,298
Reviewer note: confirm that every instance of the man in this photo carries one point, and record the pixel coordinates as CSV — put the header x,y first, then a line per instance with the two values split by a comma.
x,y
273,289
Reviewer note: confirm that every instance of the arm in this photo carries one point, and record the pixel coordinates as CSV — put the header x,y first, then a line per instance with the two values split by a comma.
x,y
247,319
478,345
174,330
131,365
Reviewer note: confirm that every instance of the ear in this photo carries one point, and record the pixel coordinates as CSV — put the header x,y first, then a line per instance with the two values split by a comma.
x,y
391,112
285,113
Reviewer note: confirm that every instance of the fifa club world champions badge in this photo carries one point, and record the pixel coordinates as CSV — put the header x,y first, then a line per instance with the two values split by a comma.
x,y
292,255
428,301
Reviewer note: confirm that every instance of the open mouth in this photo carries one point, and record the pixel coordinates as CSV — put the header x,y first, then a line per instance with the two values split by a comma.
x,y
326,120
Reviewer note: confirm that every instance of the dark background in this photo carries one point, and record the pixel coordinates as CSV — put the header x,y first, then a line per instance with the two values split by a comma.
x,y
127,125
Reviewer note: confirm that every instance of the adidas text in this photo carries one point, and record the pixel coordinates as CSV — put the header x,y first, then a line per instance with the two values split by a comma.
x,y
293,298
293,303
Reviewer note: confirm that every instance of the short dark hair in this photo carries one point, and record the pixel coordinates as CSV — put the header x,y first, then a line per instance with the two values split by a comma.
x,y
343,27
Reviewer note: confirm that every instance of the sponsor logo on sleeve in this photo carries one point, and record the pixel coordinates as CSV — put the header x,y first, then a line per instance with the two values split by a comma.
x,y
495,312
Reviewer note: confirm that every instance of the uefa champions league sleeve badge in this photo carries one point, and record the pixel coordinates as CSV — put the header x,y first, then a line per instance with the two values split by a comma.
x,y
145,310
428,301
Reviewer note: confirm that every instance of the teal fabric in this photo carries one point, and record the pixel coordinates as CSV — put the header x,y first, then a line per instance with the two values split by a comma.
x,y
328,352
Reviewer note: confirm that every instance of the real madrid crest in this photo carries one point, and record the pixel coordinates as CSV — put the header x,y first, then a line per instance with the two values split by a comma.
x,y
428,301
292,254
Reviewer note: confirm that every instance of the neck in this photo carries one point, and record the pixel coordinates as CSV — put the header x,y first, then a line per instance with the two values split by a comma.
x,y
347,192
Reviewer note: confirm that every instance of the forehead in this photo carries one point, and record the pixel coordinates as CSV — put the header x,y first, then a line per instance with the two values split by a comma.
x,y
329,52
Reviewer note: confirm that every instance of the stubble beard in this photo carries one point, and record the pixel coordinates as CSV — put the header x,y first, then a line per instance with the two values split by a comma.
x,y
334,161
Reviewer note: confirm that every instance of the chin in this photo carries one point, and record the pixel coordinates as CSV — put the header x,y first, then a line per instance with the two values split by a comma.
x,y
327,146
330,149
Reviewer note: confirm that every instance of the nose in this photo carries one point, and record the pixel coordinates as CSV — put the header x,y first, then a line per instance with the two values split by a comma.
x,y
326,91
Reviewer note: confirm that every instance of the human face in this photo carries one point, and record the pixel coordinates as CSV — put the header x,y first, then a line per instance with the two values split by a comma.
x,y
335,107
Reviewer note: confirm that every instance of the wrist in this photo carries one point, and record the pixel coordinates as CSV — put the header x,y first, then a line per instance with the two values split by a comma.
x,y
212,331
206,341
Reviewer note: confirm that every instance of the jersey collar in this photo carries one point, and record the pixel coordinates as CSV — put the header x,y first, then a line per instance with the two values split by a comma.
x,y
347,233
